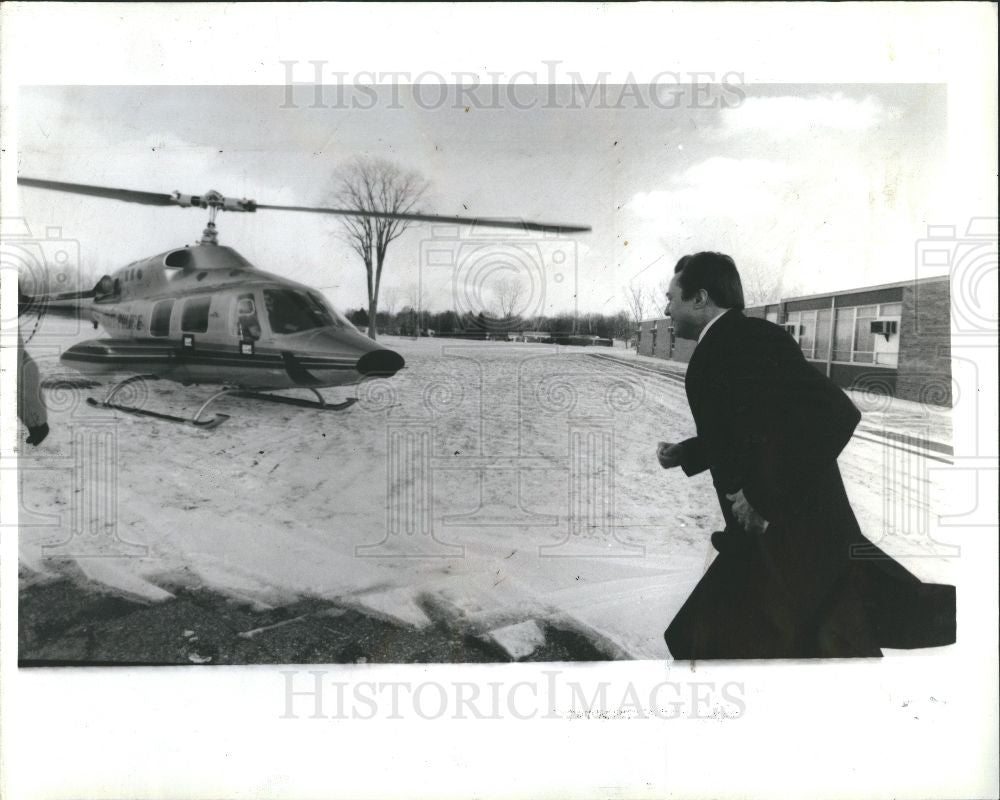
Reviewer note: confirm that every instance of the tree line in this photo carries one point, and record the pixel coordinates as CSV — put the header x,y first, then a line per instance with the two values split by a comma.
x,y
409,322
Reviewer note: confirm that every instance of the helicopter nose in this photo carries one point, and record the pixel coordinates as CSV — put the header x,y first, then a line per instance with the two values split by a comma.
x,y
380,362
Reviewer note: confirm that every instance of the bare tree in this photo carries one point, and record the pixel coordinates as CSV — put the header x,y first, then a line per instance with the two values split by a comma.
x,y
760,284
640,302
658,296
391,297
620,325
373,184
416,296
767,283
507,292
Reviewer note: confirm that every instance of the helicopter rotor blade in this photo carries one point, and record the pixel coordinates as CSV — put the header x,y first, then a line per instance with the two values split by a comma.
x,y
216,200
485,222
127,195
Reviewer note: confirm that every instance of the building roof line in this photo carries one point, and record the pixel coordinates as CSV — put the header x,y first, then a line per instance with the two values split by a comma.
x,y
859,290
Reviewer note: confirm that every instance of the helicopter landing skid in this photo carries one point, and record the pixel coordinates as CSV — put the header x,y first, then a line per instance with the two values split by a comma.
x,y
212,422
204,424
196,420
320,403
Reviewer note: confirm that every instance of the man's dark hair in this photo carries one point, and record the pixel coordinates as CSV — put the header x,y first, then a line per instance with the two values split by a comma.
x,y
716,273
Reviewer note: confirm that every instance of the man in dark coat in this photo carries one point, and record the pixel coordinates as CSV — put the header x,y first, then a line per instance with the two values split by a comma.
x,y
794,576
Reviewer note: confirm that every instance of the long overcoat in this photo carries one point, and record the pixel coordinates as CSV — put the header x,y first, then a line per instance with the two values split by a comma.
x,y
810,586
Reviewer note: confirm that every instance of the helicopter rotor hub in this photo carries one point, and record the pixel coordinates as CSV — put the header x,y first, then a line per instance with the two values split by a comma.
x,y
214,202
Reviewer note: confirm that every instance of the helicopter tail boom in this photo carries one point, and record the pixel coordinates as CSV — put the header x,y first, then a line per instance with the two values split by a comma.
x,y
74,305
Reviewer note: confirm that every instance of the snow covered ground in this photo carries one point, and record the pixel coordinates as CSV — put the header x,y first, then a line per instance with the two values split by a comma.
x,y
494,485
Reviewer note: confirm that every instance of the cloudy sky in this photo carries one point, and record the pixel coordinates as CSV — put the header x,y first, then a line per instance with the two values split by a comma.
x,y
828,186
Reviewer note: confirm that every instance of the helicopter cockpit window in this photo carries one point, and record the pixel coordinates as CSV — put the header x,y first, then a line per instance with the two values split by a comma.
x,y
247,323
339,320
293,311
194,318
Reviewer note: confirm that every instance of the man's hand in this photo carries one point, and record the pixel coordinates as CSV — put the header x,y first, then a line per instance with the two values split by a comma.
x,y
751,521
669,455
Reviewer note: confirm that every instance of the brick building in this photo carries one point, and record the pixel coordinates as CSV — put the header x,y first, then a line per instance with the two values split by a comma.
x,y
656,338
891,339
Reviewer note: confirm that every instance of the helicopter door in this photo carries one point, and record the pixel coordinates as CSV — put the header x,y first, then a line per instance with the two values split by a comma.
x,y
247,321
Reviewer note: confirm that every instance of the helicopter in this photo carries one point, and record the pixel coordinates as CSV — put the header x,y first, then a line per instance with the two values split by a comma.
x,y
204,314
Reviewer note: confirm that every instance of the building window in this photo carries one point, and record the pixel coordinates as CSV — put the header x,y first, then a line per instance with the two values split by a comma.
x,y
844,334
804,332
822,350
812,331
807,333
887,348
864,339
854,341
794,318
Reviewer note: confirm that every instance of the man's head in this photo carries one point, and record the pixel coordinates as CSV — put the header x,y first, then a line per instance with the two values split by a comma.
x,y
703,285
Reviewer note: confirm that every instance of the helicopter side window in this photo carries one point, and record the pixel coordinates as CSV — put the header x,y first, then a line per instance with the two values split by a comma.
x,y
248,325
159,324
194,318
293,311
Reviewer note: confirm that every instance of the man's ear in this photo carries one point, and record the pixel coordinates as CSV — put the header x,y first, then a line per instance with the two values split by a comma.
x,y
701,298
